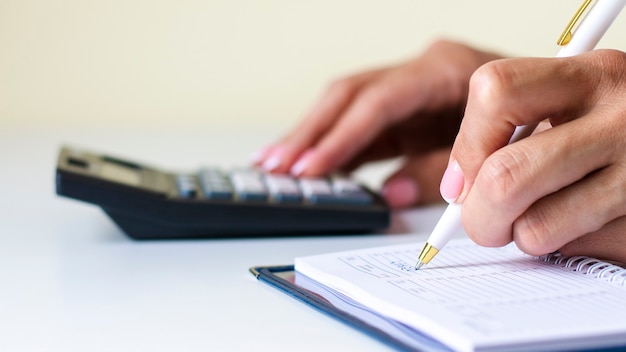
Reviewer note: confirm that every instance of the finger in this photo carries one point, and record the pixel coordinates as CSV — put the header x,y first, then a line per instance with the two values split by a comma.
x,y
317,122
421,133
583,207
377,107
417,181
515,92
608,243
515,177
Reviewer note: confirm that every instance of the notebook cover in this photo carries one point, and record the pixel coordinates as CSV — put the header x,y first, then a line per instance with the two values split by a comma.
x,y
278,277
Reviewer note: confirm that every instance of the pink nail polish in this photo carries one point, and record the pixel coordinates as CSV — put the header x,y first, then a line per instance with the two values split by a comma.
x,y
274,158
256,157
298,168
259,156
452,182
272,163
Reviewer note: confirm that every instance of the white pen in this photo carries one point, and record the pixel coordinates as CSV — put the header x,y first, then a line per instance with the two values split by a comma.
x,y
597,21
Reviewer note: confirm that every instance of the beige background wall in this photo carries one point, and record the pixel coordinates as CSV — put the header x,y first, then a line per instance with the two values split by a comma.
x,y
207,63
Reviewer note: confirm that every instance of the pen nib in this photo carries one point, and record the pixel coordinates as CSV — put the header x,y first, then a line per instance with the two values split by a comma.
x,y
419,265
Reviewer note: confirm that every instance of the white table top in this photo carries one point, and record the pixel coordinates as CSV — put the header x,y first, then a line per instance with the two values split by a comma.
x,y
72,281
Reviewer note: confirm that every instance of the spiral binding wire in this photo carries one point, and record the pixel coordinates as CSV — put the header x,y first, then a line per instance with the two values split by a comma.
x,y
590,266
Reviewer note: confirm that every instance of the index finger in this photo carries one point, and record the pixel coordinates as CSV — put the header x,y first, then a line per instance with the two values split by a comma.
x,y
321,118
508,93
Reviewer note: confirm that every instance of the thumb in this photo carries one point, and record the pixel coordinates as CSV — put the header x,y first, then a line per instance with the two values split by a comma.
x,y
417,180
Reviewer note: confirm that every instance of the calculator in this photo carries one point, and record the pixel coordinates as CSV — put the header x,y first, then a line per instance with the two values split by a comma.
x,y
150,203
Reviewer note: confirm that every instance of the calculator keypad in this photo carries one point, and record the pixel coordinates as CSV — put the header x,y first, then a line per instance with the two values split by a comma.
x,y
256,186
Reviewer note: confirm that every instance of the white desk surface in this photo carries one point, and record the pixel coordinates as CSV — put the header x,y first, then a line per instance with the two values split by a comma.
x,y
72,281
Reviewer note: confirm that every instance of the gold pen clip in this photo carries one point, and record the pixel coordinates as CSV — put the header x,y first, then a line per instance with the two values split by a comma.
x,y
566,36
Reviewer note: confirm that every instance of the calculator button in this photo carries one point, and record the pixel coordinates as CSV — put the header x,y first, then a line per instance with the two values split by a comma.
x,y
339,199
350,191
186,186
316,190
315,186
215,185
214,191
345,185
249,185
337,192
283,189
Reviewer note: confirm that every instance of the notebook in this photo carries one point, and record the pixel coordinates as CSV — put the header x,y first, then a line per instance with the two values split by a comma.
x,y
471,298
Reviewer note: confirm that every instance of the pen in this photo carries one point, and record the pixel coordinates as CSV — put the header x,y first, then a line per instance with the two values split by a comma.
x,y
597,21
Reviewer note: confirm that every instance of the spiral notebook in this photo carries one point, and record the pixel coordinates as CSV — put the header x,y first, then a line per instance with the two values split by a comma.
x,y
472,298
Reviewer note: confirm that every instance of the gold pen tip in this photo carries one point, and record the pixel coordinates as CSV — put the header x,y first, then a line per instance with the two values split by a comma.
x,y
426,255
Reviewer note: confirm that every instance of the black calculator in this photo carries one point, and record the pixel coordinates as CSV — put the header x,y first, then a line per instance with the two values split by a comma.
x,y
150,203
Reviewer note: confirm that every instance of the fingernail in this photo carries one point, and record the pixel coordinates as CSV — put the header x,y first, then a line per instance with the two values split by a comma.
x,y
272,163
298,168
257,157
452,182
400,192
274,158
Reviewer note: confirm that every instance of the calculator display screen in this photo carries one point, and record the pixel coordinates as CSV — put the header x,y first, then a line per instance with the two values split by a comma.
x,y
120,173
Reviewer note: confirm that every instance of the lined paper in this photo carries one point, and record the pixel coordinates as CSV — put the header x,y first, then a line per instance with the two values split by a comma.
x,y
474,296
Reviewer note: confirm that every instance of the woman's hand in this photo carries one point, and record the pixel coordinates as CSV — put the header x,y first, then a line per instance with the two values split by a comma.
x,y
412,109
563,188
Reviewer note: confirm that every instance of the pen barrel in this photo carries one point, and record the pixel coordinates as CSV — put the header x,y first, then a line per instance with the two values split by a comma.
x,y
449,224
593,27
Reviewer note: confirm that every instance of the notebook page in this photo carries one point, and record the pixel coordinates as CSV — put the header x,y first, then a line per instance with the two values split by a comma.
x,y
476,298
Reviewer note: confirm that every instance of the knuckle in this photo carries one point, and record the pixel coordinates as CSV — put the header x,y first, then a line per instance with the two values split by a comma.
x,y
490,82
501,177
486,81
604,69
612,63
343,87
376,99
447,46
441,44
